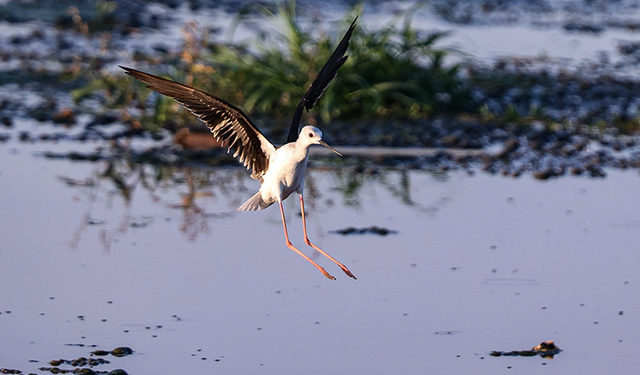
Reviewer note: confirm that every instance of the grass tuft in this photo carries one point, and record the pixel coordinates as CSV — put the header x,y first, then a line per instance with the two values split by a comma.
x,y
391,72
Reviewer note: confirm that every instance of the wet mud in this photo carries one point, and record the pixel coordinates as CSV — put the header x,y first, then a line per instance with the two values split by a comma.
x,y
546,349
559,121
91,365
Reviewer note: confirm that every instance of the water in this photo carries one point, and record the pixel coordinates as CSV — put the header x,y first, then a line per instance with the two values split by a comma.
x,y
96,256
478,263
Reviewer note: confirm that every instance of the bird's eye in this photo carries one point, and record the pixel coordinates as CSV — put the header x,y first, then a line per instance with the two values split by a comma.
x,y
310,135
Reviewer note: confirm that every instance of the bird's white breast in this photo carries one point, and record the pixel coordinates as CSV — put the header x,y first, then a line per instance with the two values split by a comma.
x,y
286,172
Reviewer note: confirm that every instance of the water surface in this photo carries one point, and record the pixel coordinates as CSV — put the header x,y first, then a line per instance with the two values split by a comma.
x,y
165,266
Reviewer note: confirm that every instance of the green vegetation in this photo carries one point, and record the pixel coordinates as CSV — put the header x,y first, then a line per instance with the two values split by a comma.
x,y
392,72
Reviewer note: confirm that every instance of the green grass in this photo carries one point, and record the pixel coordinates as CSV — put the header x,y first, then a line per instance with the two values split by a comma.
x,y
392,72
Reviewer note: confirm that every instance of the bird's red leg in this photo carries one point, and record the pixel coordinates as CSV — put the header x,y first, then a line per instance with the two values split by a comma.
x,y
306,239
290,246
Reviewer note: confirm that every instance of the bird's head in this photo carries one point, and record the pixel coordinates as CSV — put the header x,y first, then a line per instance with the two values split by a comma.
x,y
311,135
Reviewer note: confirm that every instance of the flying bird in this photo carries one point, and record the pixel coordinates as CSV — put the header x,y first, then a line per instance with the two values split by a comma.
x,y
280,170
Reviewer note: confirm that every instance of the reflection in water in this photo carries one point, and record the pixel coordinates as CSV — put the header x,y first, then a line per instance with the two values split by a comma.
x,y
396,181
162,186
192,189
351,181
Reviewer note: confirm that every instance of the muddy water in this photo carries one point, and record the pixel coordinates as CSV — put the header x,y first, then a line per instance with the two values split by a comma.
x,y
165,266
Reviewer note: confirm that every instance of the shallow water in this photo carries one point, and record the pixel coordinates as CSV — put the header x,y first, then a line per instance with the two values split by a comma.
x,y
478,263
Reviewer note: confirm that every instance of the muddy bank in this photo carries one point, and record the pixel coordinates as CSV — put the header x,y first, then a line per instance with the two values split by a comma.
x,y
529,115
513,152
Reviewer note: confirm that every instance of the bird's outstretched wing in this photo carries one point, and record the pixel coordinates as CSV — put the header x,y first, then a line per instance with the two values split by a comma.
x,y
227,123
326,75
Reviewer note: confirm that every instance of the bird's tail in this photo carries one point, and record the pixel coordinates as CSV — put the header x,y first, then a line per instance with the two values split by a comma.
x,y
254,203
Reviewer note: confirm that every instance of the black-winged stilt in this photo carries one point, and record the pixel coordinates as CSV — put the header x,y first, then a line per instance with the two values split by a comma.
x,y
280,170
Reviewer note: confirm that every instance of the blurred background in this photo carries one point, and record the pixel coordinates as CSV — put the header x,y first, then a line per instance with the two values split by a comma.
x,y
539,77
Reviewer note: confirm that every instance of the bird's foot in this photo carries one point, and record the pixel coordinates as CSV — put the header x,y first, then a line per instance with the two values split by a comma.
x,y
346,270
327,274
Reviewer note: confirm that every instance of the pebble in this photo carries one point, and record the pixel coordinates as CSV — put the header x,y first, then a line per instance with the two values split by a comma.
x,y
122,351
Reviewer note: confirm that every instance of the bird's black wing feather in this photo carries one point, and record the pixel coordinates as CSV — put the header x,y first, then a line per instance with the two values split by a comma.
x,y
227,123
319,85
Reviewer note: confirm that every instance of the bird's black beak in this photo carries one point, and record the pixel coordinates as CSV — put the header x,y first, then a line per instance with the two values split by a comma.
x,y
329,147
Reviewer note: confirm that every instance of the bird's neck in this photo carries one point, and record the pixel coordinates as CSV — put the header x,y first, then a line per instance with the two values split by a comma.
x,y
302,148
294,151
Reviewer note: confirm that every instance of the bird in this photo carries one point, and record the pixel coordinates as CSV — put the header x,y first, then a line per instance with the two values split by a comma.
x,y
280,170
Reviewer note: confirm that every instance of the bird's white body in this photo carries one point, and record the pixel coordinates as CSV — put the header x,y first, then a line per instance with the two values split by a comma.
x,y
285,175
